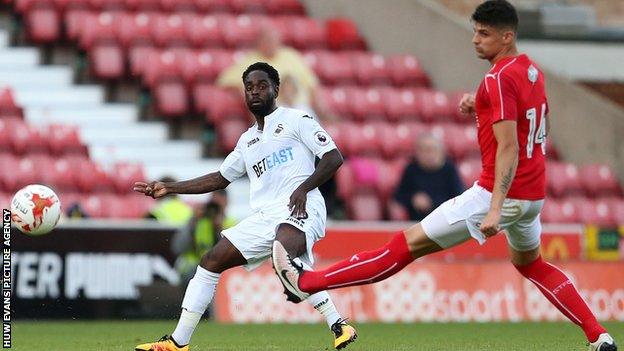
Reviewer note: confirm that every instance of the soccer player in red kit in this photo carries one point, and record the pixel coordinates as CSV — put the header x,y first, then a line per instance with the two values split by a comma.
x,y
511,110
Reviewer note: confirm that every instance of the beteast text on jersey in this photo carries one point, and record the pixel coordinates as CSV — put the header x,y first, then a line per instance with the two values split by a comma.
x,y
272,160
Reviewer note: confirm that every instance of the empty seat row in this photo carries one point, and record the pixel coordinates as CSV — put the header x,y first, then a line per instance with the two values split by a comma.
x,y
19,137
72,173
602,212
594,180
194,6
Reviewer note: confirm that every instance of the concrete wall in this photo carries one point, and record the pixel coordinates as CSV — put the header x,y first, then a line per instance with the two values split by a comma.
x,y
586,127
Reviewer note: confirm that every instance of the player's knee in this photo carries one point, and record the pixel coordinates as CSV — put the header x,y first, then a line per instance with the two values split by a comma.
x,y
418,242
211,262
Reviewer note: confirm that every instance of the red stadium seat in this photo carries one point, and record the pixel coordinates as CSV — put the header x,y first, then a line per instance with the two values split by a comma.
x,y
336,100
64,139
367,104
204,31
7,126
99,38
8,107
400,139
285,7
220,104
462,142
164,76
240,31
129,206
125,174
334,68
435,106
172,30
62,176
213,6
108,5
390,173
365,139
402,105
343,34
345,186
470,171
563,179
406,70
617,209
5,200
228,133
204,66
75,20
26,139
308,33
22,173
135,34
561,211
42,22
371,69
282,24
143,5
178,6
249,6
599,180
365,207
338,132
95,205
597,212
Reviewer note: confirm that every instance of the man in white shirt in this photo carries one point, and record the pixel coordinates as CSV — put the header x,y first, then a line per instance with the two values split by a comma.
x,y
277,153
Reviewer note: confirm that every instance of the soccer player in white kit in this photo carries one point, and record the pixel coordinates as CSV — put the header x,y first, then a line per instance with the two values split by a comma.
x,y
277,153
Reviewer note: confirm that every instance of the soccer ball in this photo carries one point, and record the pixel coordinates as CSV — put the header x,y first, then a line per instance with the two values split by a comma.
x,y
35,209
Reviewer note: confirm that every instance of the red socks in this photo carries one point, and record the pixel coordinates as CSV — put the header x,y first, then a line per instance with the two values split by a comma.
x,y
560,291
362,268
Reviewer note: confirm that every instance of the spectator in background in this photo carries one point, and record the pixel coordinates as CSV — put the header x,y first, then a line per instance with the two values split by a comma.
x,y
201,234
289,93
286,60
170,209
429,180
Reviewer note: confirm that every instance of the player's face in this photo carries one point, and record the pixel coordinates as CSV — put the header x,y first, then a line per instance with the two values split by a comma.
x,y
489,41
260,93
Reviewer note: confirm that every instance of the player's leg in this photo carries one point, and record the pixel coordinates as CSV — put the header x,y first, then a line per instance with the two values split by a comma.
x,y
443,228
294,242
524,240
199,294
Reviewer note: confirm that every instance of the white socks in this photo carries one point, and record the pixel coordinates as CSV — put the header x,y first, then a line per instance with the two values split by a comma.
x,y
321,301
199,293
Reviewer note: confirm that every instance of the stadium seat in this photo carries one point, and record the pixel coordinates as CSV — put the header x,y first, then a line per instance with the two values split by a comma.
x,y
469,171
92,178
367,104
203,67
143,5
124,174
240,31
563,179
129,206
371,69
8,107
336,100
597,212
342,34
406,70
164,76
285,7
5,200
617,210
204,31
462,142
561,211
179,6
108,5
64,139
599,180
334,68
95,205
399,139
365,139
171,30
365,207
390,173
7,127
308,33
42,22
135,34
338,131
402,105
99,39
23,173
249,6
434,106
228,133
220,104
75,19
27,139
213,6
344,181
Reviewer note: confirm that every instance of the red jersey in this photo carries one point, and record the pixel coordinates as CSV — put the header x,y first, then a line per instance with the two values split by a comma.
x,y
514,90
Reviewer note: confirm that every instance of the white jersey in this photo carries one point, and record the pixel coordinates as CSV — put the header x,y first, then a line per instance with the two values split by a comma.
x,y
279,158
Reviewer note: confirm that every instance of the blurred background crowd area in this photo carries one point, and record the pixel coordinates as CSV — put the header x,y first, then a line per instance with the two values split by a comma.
x,y
97,94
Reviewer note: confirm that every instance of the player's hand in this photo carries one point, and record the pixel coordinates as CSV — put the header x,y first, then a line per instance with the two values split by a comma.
x,y
490,224
467,104
153,189
297,204
422,202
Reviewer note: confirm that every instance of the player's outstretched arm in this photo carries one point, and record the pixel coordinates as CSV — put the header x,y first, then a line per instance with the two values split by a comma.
x,y
200,185
325,169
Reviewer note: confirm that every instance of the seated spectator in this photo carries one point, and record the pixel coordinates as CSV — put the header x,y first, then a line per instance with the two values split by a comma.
x,y
429,180
201,234
170,209
286,60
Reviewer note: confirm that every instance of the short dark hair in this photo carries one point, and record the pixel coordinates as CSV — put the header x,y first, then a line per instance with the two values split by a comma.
x,y
496,13
264,67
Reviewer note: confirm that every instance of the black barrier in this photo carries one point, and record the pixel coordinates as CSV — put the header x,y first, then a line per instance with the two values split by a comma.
x,y
95,269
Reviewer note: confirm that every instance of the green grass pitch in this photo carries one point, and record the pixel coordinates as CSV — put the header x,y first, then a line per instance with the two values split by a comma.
x,y
124,335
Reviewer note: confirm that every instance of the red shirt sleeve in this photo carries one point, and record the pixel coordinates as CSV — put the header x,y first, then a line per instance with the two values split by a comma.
x,y
503,96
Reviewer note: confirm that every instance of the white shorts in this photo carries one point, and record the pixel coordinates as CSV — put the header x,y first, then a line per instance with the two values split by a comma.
x,y
254,235
458,219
